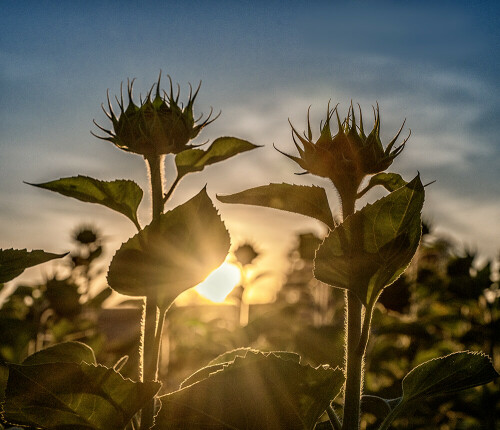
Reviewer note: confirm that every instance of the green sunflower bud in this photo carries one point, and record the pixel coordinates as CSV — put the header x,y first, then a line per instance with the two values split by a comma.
x,y
347,157
158,125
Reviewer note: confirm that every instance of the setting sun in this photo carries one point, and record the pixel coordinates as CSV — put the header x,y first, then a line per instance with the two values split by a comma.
x,y
220,283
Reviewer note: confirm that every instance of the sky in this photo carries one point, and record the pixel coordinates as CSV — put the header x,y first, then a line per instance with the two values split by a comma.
x,y
434,64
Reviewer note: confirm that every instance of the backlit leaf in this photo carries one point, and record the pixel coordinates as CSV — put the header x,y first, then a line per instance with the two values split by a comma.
x,y
372,247
195,160
70,395
229,356
444,375
65,352
174,254
260,391
14,261
390,181
122,196
300,199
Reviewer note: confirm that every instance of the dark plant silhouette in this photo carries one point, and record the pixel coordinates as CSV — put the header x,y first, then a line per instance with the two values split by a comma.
x,y
64,386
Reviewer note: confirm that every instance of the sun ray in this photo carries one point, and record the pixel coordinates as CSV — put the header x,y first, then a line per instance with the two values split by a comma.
x,y
217,286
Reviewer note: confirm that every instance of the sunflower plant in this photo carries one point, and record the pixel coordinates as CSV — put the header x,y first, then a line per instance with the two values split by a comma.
x,y
64,387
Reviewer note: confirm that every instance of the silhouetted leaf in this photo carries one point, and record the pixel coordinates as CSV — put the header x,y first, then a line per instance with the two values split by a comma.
x,y
260,391
122,196
195,160
444,375
14,261
70,395
222,360
390,181
300,199
65,352
172,255
372,247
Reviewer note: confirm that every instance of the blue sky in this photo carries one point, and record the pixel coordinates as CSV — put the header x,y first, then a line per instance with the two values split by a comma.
x,y
261,63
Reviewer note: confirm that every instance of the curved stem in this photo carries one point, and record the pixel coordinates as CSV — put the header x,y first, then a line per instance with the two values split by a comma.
x,y
389,419
168,194
334,419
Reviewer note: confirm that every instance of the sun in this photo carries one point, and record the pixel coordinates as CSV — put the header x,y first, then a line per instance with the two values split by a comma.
x,y
220,282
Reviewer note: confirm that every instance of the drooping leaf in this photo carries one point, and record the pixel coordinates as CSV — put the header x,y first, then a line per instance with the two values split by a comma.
x,y
222,148
300,199
64,352
259,391
174,254
390,181
444,375
70,395
372,247
14,261
123,196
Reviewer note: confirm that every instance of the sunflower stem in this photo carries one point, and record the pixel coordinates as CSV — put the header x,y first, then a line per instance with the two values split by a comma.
x,y
152,329
354,358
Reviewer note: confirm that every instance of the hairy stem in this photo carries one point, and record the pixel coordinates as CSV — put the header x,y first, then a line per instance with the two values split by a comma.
x,y
354,362
152,328
155,165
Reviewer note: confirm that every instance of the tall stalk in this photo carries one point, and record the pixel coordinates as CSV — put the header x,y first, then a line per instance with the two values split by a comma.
x,y
153,318
354,357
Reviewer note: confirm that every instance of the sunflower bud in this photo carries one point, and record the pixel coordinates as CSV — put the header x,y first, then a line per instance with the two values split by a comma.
x,y
347,157
158,125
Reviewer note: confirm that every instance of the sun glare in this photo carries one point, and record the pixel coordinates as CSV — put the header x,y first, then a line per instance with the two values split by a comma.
x,y
220,282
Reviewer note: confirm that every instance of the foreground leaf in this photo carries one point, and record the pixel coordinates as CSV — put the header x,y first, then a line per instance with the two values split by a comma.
x,y
260,391
70,395
195,160
14,261
122,196
374,246
444,375
218,363
300,199
65,352
172,255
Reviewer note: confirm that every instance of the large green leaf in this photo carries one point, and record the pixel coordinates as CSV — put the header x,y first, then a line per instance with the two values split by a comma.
x,y
65,352
171,255
372,247
195,160
14,261
444,375
300,199
122,196
260,391
75,396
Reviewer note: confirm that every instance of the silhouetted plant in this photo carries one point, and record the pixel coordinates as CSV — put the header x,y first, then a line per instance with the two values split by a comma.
x,y
367,252
243,388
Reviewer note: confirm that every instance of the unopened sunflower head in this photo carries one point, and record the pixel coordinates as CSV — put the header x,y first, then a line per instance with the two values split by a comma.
x,y
157,125
348,156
